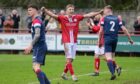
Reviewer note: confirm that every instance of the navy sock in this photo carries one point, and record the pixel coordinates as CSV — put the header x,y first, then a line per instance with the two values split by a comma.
x,y
42,77
111,66
46,79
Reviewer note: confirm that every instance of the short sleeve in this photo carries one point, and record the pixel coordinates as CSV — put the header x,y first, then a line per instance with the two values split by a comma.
x,y
80,17
102,21
96,28
36,23
120,22
60,17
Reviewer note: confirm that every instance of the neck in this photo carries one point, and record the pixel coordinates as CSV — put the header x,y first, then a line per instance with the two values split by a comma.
x,y
33,17
69,15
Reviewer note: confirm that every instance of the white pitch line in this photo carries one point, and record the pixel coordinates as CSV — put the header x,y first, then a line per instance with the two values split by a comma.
x,y
77,76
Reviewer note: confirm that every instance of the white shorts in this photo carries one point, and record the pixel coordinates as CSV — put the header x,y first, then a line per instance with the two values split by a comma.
x,y
70,50
99,51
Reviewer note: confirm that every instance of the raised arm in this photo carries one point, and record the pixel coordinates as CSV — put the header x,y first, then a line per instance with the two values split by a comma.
x,y
128,34
91,14
51,14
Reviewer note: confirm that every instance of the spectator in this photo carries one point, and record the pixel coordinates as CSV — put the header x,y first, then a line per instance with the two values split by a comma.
x,y
16,18
62,12
29,23
43,14
52,25
8,24
2,19
137,25
123,22
47,19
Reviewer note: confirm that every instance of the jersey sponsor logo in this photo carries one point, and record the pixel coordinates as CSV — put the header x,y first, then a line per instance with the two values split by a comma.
x,y
75,20
71,24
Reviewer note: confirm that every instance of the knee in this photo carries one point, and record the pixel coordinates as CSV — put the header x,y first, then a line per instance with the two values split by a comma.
x,y
69,61
36,68
96,56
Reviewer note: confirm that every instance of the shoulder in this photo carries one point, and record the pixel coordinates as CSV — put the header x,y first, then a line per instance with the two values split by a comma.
x,y
61,16
37,20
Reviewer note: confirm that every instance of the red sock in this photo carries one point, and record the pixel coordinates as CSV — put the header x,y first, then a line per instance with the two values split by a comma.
x,y
114,64
69,65
66,68
97,64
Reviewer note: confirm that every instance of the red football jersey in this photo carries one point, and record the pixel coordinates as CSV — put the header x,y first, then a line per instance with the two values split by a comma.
x,y
70,27
96,28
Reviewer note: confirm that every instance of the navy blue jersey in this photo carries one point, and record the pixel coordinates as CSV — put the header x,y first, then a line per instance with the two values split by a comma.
x,y
37,23
111,26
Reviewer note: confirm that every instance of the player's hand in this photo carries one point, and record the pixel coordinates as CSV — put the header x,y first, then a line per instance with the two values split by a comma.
x,y
131,42
43,8
28,49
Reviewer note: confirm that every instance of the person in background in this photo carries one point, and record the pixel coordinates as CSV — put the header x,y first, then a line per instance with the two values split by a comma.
x,y
137,25
16,18
62,12
2,19
8,24
43,14
45,18
29,23
52,25
123,22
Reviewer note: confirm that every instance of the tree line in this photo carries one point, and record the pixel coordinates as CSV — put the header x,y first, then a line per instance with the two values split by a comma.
x,y
117,4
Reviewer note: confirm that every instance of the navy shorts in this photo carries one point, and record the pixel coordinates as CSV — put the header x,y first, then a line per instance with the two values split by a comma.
x,y
39,54
110,45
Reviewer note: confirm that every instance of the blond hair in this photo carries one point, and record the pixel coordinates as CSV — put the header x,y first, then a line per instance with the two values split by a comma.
x,y
70,5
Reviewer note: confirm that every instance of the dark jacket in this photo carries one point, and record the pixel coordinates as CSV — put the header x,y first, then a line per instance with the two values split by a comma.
x,y
16,19
136,27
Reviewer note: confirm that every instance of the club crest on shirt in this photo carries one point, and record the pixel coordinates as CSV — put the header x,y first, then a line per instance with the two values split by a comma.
x,y
75,20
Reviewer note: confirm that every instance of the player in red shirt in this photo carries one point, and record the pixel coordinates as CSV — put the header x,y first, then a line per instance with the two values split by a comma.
x,y
99,51
70,26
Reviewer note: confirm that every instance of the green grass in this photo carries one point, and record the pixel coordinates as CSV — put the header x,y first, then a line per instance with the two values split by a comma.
x,y
17,69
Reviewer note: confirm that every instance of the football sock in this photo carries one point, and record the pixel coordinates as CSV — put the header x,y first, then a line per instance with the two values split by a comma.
x,y
114,64
66,68
97,64
69,65
42,77
111,67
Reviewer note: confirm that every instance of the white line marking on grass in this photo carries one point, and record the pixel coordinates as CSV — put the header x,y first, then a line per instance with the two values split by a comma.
x,y
77,76
104,72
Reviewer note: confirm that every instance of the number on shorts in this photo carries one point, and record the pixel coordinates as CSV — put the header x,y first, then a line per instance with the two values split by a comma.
x,y
112,23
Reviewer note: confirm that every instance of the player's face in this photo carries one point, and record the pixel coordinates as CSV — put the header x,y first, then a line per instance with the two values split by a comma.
x,y
31,12
70,10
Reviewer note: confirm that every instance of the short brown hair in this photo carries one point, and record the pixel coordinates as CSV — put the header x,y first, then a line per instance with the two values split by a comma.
x,y
33,6
108,7
70,5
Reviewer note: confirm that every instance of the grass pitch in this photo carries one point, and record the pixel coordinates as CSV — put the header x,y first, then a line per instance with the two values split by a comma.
x,y
17,69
